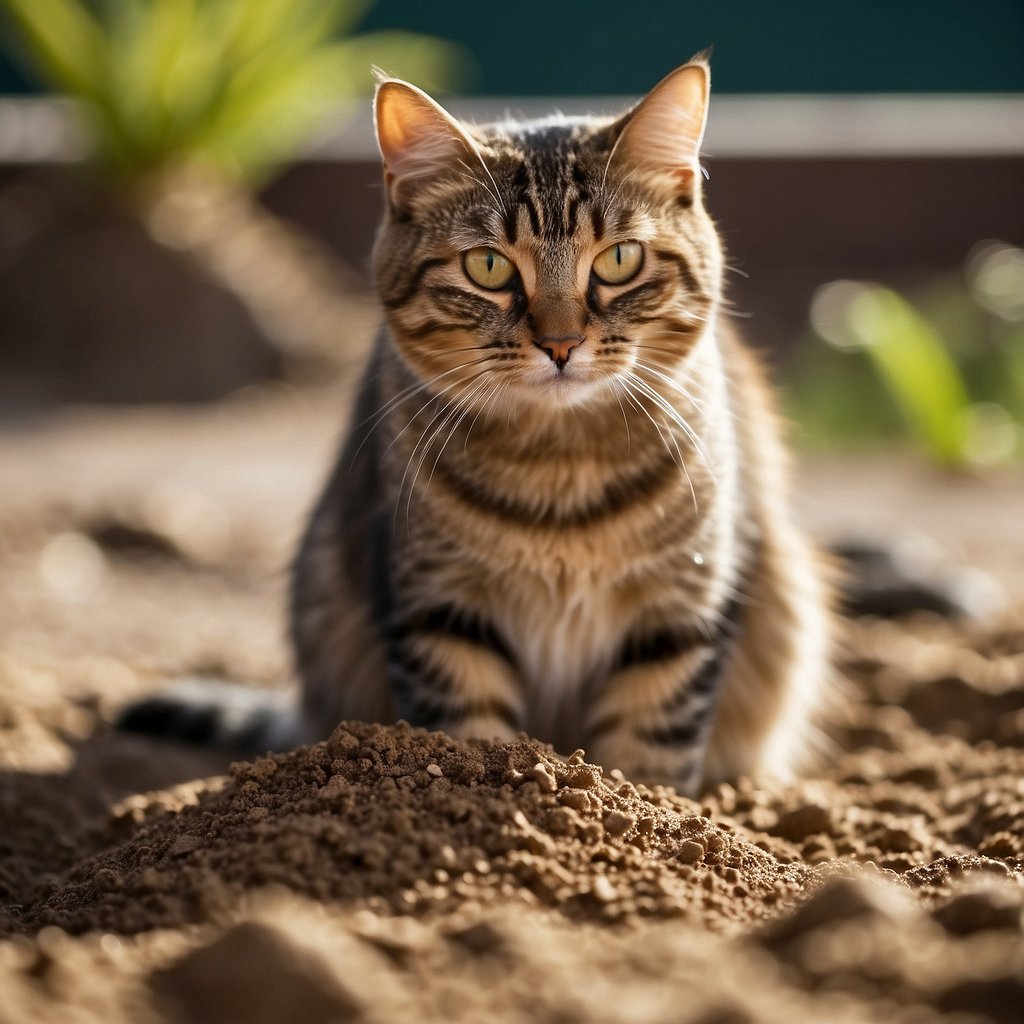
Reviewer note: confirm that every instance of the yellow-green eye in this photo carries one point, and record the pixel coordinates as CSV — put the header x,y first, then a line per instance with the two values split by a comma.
x,y
488,268
619,263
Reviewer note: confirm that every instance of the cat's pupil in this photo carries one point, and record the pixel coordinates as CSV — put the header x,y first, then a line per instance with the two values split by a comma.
x,y
618,254
490,260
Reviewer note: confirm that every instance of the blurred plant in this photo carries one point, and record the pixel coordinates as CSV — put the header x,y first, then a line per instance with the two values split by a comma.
x,y
192,103
952,371
235,84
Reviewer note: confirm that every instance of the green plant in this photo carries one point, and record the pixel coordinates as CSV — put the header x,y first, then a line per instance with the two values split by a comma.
x,y
235,85
950,373
192,104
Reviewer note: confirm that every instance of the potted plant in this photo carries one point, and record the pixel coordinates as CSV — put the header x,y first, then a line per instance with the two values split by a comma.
x,y
151,271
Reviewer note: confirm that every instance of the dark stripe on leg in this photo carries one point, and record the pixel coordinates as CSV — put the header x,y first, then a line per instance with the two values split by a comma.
x,y
684,723
447,620
659,645
424,696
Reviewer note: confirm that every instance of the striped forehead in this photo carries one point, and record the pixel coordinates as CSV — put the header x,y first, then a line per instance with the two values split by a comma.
x,y
550,177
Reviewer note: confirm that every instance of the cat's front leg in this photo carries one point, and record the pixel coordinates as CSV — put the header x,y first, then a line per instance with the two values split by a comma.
x,y
449,669
651,717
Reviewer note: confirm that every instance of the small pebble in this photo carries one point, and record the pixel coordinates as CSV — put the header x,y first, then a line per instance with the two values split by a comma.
x,y
803,821
690,852
616,823
544,777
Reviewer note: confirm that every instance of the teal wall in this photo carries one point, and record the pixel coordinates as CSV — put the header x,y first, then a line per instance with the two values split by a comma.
x,y
567,47
549,47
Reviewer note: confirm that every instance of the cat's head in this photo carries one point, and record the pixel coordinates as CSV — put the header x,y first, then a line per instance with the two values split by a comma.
x,y
546,260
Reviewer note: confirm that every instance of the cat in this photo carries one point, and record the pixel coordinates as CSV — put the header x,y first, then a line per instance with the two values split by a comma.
x,y
561,505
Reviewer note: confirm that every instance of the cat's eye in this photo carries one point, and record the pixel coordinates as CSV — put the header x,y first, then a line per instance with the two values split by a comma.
x,y
619,263
488,268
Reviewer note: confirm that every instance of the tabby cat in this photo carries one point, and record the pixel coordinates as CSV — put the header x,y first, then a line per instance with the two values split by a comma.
x,y
561,507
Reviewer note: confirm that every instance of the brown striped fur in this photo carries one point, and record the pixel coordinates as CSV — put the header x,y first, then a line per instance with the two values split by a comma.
x,y
597,551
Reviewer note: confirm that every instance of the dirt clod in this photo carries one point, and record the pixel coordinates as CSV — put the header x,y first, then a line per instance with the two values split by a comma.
x,y
253,975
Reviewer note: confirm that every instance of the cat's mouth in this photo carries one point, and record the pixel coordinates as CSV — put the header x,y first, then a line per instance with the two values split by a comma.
x,y
566,383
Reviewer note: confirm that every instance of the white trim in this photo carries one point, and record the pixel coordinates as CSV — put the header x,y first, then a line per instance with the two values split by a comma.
x,y
42,129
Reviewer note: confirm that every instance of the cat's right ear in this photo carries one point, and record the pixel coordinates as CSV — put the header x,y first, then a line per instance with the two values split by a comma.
x,y
418,140
663,133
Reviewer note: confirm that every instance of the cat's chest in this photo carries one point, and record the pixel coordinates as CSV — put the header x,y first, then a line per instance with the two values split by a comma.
x,y
564,625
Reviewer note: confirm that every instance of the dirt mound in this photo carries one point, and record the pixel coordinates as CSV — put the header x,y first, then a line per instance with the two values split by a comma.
x,y
401,821
395,875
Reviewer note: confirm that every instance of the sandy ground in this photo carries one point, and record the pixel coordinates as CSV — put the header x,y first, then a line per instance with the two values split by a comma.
x,y
394,875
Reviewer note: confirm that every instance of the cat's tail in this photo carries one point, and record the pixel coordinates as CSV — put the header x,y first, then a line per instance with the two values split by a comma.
x,y
214,713
912,574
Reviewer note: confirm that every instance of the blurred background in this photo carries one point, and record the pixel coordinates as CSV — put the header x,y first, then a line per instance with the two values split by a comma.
x,y
189,190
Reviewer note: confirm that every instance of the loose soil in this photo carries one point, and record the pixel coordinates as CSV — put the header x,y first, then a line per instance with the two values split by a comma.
x,y
390,874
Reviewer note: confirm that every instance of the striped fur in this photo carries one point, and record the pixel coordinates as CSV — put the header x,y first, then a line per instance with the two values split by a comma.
x,y
599,551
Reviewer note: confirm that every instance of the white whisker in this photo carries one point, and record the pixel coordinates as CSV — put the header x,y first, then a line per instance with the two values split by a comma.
x,y
678,457
673,384
463,412
676,417
428,435
406,394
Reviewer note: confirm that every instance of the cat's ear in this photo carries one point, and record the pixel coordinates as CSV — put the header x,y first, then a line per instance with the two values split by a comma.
x,y
418,139
663,132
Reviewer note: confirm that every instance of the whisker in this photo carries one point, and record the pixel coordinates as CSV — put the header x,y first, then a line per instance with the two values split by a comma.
x,y
672,413
483,184
405,395
454,416
673,384
463,413
496,194
443,393
487,400
429,435
619,384
678,454
675,416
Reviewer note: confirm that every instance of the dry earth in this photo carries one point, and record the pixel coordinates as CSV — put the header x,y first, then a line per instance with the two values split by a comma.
x,y
395,875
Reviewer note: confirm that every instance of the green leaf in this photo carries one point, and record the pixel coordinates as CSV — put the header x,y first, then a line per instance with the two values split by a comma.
x,y
237,84
916,367
64,41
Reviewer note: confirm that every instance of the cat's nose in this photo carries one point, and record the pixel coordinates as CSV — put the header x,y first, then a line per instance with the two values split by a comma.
x,y
559,348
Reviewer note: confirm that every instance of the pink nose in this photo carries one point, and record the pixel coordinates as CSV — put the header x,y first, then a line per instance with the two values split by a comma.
x,y
559,349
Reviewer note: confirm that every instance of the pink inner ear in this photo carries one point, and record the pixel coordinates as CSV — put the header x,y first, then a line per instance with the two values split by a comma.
x,y
665,130
417,138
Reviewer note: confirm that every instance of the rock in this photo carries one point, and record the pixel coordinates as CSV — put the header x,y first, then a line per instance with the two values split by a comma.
x,y
617,823
841,899
253,974
997,999
603,890
981,908
544,777
479,938
690,852
801,822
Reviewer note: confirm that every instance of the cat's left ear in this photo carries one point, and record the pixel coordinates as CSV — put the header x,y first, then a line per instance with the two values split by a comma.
x,y
663,132
419,140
